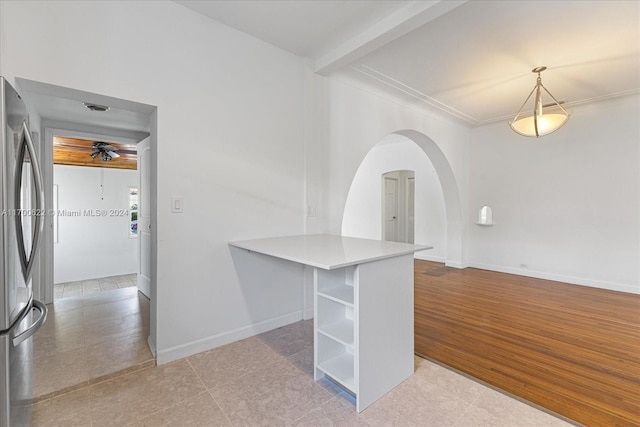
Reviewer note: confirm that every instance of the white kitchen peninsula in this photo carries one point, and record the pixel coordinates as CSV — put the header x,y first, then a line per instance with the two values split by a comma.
x,y
363,305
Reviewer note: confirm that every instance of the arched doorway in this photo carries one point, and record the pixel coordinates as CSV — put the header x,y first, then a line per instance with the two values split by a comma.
x,y
438,216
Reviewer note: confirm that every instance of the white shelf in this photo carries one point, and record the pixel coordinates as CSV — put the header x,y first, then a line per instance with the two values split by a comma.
x,y
341,331
340,368
341,293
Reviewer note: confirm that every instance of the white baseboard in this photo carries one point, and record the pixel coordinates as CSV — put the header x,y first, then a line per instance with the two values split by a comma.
x,y
204,344
425,256
455,264
308,314
152,346
620,287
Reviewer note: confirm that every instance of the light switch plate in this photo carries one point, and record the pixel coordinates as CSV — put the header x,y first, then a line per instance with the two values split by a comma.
x,y
176,204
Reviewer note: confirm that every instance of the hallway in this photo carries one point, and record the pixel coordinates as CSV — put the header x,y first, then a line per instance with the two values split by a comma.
x,y
90,337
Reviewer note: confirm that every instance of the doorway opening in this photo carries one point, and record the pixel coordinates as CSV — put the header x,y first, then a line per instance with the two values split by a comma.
x,y
95,240
106,326
398,206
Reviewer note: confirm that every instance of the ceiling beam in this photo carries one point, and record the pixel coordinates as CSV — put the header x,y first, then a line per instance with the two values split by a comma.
x,y
399,23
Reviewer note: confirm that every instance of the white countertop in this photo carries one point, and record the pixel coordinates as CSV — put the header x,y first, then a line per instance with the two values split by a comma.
x,y
328,251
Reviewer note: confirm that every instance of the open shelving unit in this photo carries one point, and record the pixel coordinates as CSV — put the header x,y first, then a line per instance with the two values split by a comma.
x,y
363,326
335,330
363,308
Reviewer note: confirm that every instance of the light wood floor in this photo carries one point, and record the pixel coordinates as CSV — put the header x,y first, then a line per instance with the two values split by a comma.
x,y
574,350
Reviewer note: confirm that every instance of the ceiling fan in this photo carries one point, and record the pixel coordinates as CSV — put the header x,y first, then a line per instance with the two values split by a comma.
x,y
104,151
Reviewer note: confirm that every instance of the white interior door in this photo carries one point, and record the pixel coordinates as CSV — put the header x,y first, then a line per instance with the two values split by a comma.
x,y
390,209
144,217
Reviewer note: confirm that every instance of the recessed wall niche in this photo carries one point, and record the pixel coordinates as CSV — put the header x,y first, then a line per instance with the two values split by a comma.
x,y
485,216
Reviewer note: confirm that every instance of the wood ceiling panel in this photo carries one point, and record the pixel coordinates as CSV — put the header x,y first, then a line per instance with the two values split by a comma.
x,y
77,152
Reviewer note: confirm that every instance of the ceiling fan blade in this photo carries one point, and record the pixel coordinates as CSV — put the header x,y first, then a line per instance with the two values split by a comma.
x,y
134,152
113,154
103,146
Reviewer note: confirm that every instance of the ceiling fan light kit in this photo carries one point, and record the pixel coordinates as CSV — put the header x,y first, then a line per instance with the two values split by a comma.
x,y
539,123
104,151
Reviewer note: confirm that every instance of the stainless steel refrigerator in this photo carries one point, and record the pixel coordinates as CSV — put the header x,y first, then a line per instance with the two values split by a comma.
x,y
21,218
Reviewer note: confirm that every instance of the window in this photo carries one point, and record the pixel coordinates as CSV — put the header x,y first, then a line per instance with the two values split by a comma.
x,y
133,212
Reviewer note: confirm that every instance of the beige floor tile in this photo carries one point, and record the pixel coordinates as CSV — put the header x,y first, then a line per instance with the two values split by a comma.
x,y
289,339
303,360
332,413
91,282
59,320
121,353
112,295
134,396
276,396
108,286
127,278
89,289
201,410
430,377
108,330
110,310
512,412
73,290
58,340
224,364
59,372
72,293
69,410
70,353
409,405
65,304
74,286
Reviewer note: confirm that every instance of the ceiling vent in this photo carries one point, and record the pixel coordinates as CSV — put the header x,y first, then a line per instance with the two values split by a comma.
x,y
95,107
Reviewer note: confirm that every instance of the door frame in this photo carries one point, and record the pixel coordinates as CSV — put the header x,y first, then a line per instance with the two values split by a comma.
x,y
396,223
45,291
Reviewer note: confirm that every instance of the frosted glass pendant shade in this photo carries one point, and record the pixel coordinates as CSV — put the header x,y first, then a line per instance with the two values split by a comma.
x,y
547,123
539,123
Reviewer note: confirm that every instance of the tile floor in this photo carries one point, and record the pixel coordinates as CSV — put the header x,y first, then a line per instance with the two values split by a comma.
x,y
89,337
267,380
88,287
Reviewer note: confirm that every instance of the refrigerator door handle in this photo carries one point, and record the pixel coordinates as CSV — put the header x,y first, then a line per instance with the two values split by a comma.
x,y
27,333
26,260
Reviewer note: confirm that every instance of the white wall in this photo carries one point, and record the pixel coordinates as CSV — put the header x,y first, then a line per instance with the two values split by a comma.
x,y
363,215
230,132
89,246
566,205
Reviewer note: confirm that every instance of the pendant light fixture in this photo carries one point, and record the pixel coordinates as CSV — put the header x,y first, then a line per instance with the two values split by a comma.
x,y
541,122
